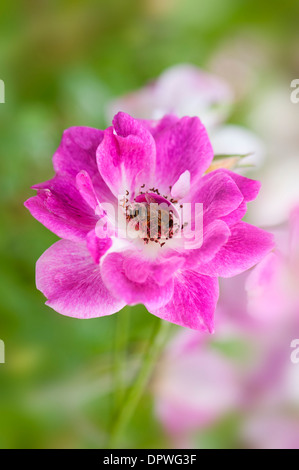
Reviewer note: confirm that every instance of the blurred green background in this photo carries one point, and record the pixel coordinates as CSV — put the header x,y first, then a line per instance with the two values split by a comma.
x,y
61,62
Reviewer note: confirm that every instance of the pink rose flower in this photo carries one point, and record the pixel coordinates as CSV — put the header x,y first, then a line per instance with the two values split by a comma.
x,y
95,270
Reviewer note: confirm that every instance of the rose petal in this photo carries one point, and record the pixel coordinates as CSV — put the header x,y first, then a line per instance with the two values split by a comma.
x,y
76,152
193,303
97,246
246,246
182,144
126,156
60,207
130,279
182,187
67,275
219,194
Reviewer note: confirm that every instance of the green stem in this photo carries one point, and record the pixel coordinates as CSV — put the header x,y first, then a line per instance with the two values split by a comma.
x,y
121,338
128,407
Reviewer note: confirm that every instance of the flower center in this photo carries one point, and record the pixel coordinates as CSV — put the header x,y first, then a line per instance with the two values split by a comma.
x,y
152,217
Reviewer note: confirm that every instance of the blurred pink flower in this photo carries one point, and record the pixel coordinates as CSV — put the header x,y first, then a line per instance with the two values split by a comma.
x,y
183,90
86,276
259,383
271,430
195,385
273,285
186,90
280,190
